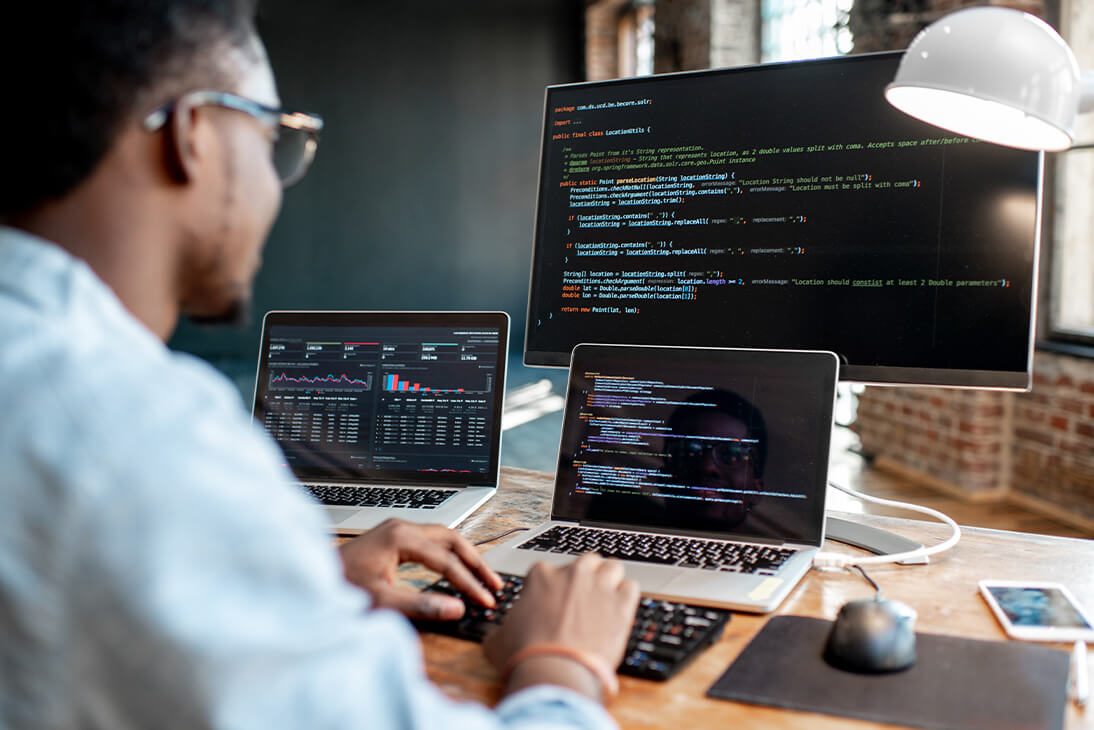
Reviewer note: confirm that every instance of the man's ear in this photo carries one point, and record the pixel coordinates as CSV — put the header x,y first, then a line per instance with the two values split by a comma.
x,y
182,151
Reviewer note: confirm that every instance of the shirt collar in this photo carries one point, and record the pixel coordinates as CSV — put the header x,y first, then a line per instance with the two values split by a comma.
x,y
47,278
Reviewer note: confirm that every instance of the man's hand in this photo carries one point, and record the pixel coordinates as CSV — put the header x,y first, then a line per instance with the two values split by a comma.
x,y
588,605
370,561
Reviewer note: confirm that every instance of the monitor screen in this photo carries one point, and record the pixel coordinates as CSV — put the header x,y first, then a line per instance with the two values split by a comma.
x,y
399,396
783,206
720,442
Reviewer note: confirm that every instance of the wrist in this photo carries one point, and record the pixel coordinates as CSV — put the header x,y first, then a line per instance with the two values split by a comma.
x,y
558,664
557,671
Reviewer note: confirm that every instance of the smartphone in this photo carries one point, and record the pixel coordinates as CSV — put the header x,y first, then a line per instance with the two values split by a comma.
x,y
1037,611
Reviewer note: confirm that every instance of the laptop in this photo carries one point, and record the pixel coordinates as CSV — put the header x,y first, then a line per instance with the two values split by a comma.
x,y
703,469
386,414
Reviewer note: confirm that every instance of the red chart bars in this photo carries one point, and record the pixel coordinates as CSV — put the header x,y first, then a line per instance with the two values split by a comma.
x,y
393,382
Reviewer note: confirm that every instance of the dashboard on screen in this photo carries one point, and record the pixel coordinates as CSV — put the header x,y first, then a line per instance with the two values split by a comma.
x,y
783,206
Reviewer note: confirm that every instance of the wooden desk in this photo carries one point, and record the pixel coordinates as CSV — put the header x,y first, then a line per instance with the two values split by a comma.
x,y
944,594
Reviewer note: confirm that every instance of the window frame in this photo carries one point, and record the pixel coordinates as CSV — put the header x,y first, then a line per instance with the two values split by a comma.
x,y
1051,335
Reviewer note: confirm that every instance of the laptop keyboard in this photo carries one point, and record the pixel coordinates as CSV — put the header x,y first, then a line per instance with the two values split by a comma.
x,y
396,497
664,637
684,552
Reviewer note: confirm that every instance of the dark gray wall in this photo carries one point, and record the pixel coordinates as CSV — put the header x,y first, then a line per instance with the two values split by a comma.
x,y
423,191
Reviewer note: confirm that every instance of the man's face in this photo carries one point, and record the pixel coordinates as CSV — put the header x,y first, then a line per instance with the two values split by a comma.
x,y
727,466
240,200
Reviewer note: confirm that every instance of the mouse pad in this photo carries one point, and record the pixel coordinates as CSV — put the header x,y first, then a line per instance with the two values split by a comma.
x,y
955,684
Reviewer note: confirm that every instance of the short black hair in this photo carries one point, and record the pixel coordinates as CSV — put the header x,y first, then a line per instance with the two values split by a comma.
x,y
731,404
73,71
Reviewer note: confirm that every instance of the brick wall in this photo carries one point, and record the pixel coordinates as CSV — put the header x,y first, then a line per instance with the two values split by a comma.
x,y
1036,448
1053,445
958,437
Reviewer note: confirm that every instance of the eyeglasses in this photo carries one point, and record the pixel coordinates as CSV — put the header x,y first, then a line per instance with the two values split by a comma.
x,y
724,453
296,134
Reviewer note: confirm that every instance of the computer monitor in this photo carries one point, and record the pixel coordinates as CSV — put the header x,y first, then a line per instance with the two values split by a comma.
x,y
783,205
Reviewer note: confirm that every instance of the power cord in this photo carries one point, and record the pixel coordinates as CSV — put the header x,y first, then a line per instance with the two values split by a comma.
x,y
507,533
877,588
836,560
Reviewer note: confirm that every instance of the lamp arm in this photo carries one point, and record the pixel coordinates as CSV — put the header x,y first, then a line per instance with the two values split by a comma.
x,y
1086,98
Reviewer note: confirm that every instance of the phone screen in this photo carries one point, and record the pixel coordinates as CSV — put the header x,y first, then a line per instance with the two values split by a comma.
x,y
1028,606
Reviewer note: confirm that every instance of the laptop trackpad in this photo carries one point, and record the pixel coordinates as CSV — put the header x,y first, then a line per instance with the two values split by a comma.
x,y
716,582
650,578
337,515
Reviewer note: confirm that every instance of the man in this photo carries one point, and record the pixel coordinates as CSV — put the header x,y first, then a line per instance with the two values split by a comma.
x,y
726,472
157,568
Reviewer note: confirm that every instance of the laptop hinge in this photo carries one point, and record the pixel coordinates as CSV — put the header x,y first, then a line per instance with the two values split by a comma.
x,y
678,532
382,485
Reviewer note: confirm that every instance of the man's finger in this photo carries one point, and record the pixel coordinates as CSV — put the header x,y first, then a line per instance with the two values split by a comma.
x,y
447,563
417,605
611,573
473,559
587,563
450,554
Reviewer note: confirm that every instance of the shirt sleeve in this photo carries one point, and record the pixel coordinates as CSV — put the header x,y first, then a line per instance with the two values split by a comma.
x,y
546,707
209,595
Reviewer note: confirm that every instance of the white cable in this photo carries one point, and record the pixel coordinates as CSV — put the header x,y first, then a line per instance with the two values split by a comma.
x,y
836,560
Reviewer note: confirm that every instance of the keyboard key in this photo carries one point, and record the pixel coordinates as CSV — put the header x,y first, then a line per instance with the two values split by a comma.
x,y
661,549
393,497
665,635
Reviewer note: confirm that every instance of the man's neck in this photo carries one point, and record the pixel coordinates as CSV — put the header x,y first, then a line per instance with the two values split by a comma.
x,y
121,245
124,221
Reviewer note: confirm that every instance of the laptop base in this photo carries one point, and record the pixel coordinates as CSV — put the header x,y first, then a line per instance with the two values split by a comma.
x,y
354,520
752,593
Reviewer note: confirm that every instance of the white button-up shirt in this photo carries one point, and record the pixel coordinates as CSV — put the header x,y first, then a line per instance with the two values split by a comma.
x,y
157,567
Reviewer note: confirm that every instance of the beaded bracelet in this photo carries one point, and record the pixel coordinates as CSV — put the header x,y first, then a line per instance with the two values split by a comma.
x,y
609,683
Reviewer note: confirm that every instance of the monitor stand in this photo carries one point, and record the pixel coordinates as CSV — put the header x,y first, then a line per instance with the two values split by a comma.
x,y
879,542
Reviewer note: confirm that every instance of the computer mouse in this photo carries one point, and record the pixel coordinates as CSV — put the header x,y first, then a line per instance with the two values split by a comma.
x,y
872,636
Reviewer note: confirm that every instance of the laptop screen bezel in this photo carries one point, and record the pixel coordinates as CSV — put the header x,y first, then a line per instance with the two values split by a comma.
x,y
821,365
360,318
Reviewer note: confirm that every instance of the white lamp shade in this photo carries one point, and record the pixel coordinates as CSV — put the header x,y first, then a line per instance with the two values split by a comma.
x,y
996,74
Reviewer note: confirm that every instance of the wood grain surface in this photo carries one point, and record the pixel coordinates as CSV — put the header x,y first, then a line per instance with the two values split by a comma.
x,y
943,593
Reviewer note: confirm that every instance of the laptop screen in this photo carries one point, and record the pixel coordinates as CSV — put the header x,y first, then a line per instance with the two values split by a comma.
x,y
394,397
709,441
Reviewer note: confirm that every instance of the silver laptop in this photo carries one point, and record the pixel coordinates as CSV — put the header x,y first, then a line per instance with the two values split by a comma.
x,y
386,414
703,469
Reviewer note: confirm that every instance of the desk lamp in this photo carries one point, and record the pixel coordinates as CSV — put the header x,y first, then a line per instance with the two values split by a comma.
x,y
995,74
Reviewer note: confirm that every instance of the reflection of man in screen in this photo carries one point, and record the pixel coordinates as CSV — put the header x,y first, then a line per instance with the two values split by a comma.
x,y
716,454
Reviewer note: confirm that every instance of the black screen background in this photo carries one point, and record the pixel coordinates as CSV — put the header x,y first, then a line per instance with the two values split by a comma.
x,y
793,391
974,217
361,455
